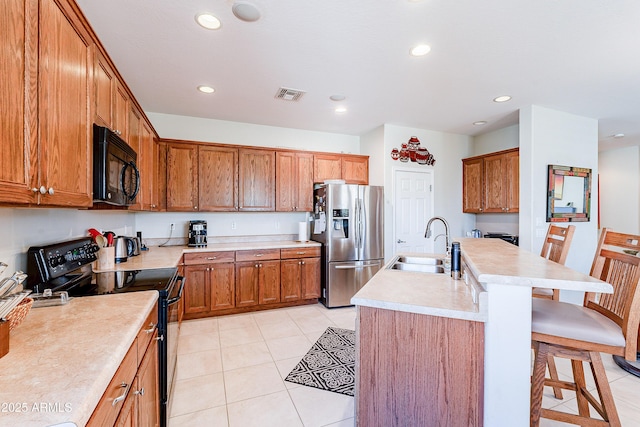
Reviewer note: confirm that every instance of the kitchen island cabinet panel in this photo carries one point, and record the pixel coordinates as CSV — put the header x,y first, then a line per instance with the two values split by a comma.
x,y
418,370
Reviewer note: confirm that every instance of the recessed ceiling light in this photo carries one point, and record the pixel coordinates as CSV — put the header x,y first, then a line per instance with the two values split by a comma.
x,y
480,123
337,97
245,11
208,21
420,50
503,98
206,89
341,110
618,135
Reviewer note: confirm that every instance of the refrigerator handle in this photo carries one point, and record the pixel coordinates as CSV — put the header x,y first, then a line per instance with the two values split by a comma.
x,y
358,223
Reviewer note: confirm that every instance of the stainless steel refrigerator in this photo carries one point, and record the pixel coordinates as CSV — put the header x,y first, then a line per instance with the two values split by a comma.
x,y
348,221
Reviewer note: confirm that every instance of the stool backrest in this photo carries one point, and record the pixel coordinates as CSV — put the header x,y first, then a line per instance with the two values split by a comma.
x,y
622,271
557,243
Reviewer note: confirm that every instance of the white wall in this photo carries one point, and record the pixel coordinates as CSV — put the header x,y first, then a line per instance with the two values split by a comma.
x,y
448,150
490,142
25,227
550,137
620,189
225,132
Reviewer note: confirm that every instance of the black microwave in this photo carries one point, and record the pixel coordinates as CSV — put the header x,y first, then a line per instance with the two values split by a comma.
x,y
116,179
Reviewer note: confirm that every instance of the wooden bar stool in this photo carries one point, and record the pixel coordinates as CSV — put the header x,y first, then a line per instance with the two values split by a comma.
x,y
604,323
555,248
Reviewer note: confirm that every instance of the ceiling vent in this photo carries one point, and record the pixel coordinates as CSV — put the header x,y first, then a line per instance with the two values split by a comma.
x,y
288,94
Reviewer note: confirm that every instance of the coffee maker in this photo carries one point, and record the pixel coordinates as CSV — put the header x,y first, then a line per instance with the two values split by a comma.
x,y
198,233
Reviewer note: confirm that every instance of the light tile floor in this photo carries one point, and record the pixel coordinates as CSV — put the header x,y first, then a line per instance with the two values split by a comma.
x,y
231,372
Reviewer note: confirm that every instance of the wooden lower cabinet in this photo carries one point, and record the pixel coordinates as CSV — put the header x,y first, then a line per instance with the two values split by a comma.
x,y
418,370
132,398
256,280
300,274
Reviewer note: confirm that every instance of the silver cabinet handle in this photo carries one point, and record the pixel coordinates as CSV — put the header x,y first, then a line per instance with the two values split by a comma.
x,y
140,392
259,255
212,257
301,253
160,338
122,396
152,327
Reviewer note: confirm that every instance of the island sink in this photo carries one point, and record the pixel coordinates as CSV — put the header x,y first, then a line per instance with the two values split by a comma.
x,y
421,264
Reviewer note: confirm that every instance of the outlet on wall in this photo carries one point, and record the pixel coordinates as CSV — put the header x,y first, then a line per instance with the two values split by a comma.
x,y
172,226
233,225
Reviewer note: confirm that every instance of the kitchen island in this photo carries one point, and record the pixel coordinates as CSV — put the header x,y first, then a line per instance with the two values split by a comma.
x,y
493,344
62,358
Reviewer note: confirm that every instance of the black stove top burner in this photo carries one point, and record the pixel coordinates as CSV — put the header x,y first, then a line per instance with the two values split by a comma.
x,y
113,282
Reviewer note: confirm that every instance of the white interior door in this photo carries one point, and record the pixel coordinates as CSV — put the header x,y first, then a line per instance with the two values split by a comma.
x,y
413,206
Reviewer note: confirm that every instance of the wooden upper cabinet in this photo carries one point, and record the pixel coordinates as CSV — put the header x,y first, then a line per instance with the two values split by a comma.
x,y
472,194
120,123
491,183
353,169
217,178
182,177
256,171
326,166
64,112
147,163
111,99
134,142
18,156
294,181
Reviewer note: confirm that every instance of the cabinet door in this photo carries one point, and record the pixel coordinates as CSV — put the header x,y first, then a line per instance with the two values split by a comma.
x,y
290,279
355,169
147,392
494,180
217,178
304,175
65,119
247,276
512,184
160,175
286,182
121,111
326,166
147,164
18,71
182,177
134,143
472,195
269,282
223,285
197,289
257,176
310,278
105,82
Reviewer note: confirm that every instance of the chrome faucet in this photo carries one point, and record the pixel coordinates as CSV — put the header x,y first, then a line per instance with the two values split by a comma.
x,y
447,236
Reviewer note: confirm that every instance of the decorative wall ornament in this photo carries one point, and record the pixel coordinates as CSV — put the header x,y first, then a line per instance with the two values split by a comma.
x,y
412,151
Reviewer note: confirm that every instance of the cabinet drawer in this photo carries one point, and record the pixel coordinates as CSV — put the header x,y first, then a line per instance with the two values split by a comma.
x,y
120,386
149,326
307,252
208,257
258,255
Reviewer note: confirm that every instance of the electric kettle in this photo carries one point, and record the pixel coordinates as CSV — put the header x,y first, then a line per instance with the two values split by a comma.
x,y
121,245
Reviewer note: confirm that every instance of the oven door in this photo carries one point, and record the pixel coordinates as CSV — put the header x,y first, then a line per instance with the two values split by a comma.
x,y
170,342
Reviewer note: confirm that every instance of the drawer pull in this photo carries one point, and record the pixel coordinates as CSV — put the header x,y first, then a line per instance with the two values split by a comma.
x,y
212,257
152,327
160,338
258,255
120,398
140,392
302,253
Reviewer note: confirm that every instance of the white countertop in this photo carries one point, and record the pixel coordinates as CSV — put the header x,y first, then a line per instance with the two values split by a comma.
x,y
170,256
62,358
491,260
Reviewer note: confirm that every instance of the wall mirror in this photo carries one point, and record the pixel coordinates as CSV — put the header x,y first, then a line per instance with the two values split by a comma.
x,y
569,194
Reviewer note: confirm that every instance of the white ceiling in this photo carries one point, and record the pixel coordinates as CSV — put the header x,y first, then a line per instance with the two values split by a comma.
x,y
577,56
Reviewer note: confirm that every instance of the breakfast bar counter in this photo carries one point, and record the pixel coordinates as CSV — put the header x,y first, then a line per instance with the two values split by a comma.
x,y
496,292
